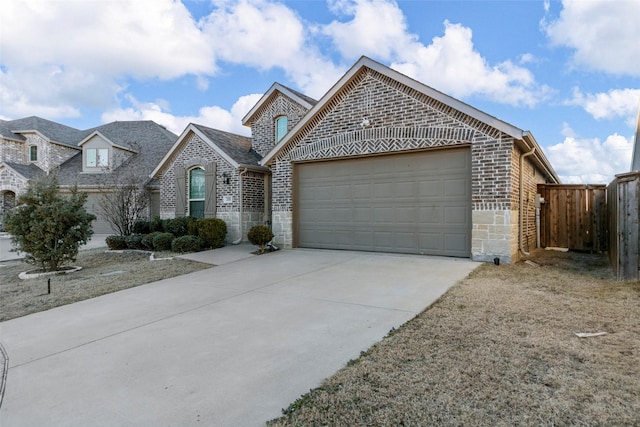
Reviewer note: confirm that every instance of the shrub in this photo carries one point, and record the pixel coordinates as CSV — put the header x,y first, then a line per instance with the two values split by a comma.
x,y
134,241
116,243
155,225
47,226
187,244
192,227
162,241
212,231
142,226
147,240
178,226
260,235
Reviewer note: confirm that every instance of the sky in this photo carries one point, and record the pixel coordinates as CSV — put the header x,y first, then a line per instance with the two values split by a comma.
x,y
568,72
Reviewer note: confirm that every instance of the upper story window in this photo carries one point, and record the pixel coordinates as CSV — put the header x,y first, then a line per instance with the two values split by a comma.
x,y
97,157
196,193
281,127
33,153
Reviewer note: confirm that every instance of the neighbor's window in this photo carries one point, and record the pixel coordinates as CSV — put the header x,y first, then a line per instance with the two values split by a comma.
x,y
33,153
281,127
196,193
97,157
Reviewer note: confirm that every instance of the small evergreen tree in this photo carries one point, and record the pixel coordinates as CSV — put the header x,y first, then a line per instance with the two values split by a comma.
x,y
48,227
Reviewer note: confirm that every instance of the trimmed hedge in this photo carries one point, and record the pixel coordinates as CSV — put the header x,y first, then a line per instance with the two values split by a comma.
x,y
212,231
260,235
142,227
116,243
187,244
178,226
134,241
162,241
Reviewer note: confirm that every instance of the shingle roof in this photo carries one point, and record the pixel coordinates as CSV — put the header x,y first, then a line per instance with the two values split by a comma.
x,y
56,132
29,171
148,139
133,135
235,146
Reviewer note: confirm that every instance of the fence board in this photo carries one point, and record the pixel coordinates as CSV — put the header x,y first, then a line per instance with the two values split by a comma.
x,y
574,217
623,197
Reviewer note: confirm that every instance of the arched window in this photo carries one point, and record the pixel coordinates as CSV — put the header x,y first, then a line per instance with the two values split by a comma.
x,y
196,193
281,127
33,153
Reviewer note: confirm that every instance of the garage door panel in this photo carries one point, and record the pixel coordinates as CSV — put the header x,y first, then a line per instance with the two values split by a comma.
x,y
409,203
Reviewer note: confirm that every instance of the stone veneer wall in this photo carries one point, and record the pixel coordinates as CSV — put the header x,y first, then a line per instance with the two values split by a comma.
x,y
263,128
11,151
402,119
50,155
195,152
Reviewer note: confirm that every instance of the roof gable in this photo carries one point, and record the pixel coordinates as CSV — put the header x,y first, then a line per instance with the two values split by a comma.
x,y
478,119
54,132
235,149
360,67
304,100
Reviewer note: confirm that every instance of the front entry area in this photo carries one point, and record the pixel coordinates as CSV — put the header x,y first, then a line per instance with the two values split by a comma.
x,y
417,202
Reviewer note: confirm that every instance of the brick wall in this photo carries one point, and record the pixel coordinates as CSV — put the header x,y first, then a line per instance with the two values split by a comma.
x,y
196,152
263,128
11,151
403,119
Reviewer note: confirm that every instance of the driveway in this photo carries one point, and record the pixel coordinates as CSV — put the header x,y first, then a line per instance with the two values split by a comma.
x,y
227,346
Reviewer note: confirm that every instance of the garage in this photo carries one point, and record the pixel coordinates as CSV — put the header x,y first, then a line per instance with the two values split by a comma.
x,y
417,202
100,226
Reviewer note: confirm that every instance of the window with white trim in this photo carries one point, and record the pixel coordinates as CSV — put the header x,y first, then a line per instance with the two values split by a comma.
x,y
33,153
97,157
281,127
196,192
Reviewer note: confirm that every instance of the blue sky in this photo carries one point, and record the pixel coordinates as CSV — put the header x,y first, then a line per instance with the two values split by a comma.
x,y
567,71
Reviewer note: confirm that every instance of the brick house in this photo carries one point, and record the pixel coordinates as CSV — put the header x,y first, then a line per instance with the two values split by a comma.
x,y
210,173
385,163
381,163
93,159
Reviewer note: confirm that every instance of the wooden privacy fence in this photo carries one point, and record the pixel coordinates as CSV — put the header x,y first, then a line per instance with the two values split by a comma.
x,y
623,195
574,217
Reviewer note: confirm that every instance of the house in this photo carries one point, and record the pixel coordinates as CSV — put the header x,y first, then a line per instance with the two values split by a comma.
x,y
96,159
210,173
381,162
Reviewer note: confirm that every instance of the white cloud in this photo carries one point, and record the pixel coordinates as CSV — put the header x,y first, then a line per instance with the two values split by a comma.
x,y
591,161
452,65
266,35
604,34
378,28
60,56
616,103
210,116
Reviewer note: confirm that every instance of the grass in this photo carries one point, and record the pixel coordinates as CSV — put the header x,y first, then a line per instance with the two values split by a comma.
x,y
102,272
499,349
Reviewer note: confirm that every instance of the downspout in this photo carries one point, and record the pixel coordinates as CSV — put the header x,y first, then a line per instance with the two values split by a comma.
x,y
237,242
521,207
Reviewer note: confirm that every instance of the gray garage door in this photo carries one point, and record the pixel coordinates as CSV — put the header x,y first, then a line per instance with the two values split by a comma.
x,y
100,226
406,203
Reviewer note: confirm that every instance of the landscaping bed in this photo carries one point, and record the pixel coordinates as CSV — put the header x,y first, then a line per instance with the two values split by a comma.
x,y
102,272
500,348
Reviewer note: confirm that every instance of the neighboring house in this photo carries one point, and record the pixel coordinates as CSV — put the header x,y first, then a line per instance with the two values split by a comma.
x,y
96,160
381,163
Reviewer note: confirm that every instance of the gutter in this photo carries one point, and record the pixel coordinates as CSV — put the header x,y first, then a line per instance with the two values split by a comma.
x,y
237,242
521,204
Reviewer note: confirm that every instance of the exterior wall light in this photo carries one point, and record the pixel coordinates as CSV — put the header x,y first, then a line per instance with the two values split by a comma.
x,y
226,179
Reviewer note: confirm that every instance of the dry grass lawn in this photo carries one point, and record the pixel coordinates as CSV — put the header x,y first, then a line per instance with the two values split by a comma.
x,y
499,349
102,272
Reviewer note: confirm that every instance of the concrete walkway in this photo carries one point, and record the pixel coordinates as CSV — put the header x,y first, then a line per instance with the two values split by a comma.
x,y
226,346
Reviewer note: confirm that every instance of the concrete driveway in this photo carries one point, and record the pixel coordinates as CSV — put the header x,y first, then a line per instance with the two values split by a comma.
x,y
227,346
